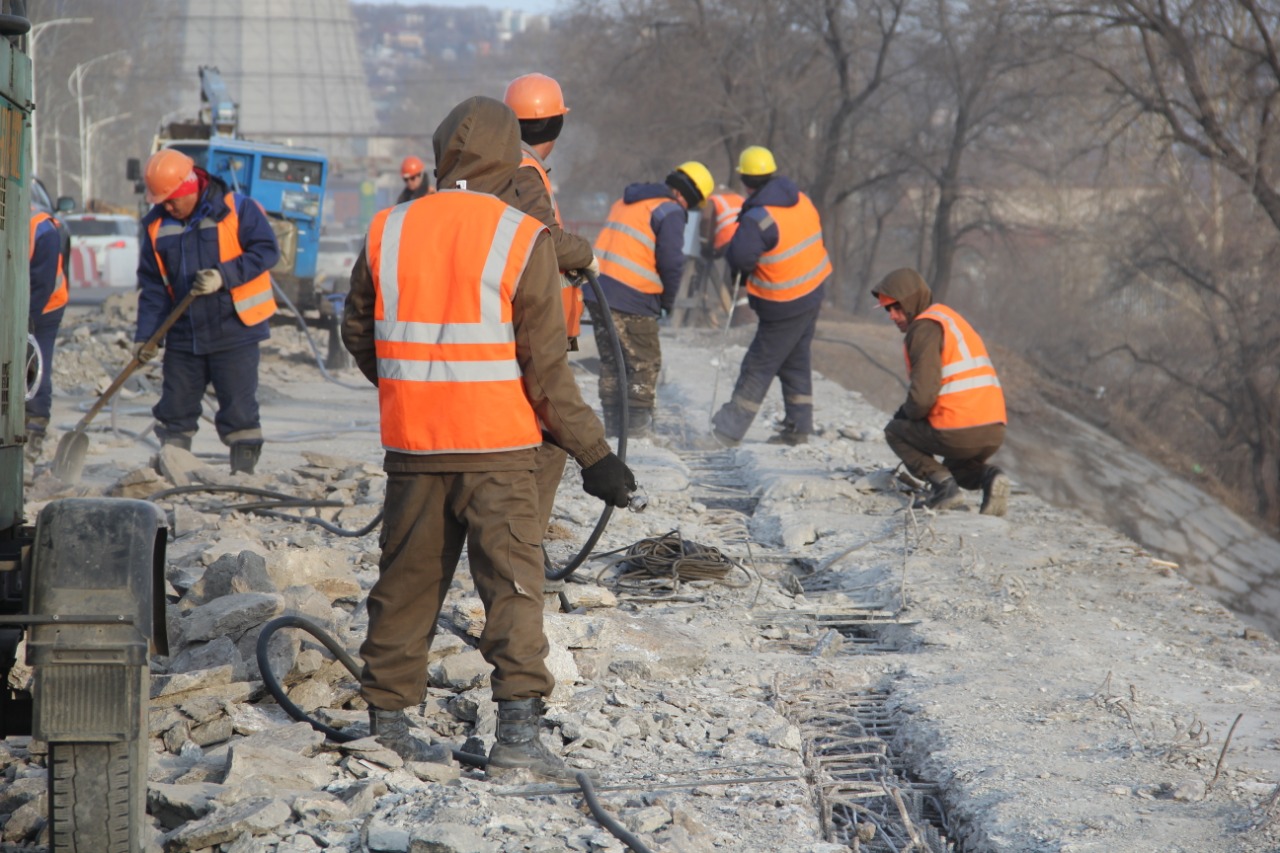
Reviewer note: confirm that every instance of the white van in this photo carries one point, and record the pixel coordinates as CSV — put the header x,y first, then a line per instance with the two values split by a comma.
x,y
113,238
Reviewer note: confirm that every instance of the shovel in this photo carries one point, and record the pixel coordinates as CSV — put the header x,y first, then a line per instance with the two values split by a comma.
x,y
68,460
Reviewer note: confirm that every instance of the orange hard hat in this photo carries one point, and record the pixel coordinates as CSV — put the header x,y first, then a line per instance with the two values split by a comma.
x,y
411,166
167,170
535,96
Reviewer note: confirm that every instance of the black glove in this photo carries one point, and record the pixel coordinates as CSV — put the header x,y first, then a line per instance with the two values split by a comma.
x,y
901,414
610,480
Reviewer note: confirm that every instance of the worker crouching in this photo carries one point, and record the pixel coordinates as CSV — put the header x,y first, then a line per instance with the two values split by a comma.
x,y
955,405
203,238
454,315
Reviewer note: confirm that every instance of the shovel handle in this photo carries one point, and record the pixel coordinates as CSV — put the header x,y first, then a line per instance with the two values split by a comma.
x,y
134,362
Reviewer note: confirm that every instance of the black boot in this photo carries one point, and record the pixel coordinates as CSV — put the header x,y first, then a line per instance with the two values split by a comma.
x,y
391,729
943,495
517,744
995,492
183,441
244,457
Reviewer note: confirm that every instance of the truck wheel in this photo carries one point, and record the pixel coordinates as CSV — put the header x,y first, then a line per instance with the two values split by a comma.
x,y
96,797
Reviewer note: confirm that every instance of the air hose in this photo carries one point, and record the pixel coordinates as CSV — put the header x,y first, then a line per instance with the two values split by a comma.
x,y
473,759
315,351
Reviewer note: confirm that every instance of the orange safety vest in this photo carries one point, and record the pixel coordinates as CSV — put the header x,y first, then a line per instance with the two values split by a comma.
x,y
727,205
570,294
253,300
627,248
445,270
799,263
970,394
60,294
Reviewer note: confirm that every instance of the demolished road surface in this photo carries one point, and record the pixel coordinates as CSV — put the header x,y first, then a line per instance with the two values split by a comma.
x,y
828,670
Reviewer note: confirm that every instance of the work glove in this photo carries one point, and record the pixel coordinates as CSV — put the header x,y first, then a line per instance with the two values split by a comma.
x,y
206,282
610,480
901,414
593,267
143,353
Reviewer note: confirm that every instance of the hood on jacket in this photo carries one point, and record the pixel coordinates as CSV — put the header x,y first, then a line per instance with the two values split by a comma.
x,y
906,287
781,191
479,143
639,192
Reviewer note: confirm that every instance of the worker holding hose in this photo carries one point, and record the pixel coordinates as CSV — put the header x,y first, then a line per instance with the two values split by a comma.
x,y
454,315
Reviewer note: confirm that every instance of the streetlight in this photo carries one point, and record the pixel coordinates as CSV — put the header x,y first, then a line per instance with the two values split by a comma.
x,y
32,36
75,85
88,153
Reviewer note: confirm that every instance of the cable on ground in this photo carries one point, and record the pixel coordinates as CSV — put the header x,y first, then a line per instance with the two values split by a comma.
x,y
660,565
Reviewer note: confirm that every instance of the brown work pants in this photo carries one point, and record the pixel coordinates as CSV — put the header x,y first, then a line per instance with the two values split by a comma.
x,y
964,452
548,472
428,519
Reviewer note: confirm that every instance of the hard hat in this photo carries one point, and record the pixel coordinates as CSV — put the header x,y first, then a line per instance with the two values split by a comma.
x,y
411,166
701,177
166,171
535,96
756,160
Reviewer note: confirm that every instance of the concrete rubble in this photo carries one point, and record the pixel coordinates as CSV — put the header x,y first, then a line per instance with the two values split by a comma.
x,y
1062,690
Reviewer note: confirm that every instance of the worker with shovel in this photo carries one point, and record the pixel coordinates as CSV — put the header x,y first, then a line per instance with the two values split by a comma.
x,y
206,240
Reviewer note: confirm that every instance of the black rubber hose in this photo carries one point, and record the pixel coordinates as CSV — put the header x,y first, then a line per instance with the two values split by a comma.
x,y
605,819
277,691
570,567
14,25
327,525
315,351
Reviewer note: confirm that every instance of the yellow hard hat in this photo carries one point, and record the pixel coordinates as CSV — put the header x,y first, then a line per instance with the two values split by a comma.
x,y
756,160
701,177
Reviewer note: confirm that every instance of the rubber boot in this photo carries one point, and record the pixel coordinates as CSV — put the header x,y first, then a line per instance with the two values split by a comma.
x,y
391,729
183,441
517,745
788,435
942,495
244,457
35,440
639,422
995,492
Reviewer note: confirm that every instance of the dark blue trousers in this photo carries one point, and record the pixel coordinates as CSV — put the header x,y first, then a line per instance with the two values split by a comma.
x,y
46,332
780,348
234,374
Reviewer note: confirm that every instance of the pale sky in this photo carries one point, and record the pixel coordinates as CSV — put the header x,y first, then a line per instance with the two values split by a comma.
x,y
540,6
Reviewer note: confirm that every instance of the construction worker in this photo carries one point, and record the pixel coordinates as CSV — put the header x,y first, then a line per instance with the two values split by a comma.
x,y
778,251
722,224
50,245
454,315
641,255
205,239
414,174
538,103
955,405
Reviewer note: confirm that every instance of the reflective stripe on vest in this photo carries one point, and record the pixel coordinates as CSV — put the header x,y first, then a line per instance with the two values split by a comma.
x,y
253,299
727,206
61,294
534,162
627,248
799,263
445,270
970,394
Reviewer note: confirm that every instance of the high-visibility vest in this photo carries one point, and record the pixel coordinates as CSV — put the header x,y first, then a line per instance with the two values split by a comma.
x,y
727,205
60,294
570,294
253,299
799,263
445,270
970,394
627,248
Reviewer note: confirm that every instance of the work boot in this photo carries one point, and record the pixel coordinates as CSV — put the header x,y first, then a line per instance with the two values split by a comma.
x,y
639,422
943,495
517,745
35,443
995,492
244,457
789,437
391,729
182,441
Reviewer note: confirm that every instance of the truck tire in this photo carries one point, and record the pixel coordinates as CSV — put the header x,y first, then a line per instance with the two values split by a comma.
x,y
97,797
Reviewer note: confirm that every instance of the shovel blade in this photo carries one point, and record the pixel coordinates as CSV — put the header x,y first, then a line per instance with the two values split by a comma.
x,y
68,460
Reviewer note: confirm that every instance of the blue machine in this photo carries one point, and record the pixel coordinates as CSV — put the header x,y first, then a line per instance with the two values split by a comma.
x,y
287,180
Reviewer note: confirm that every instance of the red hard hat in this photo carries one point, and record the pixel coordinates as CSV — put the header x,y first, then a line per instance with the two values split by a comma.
x,y
411,166
166,171
535,96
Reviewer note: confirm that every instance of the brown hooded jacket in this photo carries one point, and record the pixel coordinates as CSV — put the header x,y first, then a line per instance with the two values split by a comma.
x,y
923,340
477,146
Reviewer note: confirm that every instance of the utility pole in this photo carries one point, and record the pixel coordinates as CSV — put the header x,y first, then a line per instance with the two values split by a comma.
x,y
75,85
88,152
32,37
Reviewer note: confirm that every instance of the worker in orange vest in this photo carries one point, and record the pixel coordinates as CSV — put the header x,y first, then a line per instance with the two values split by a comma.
x,y
50,243
955,405
416,184
725,206
203,238
778,250
454,315
641,255
538,103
